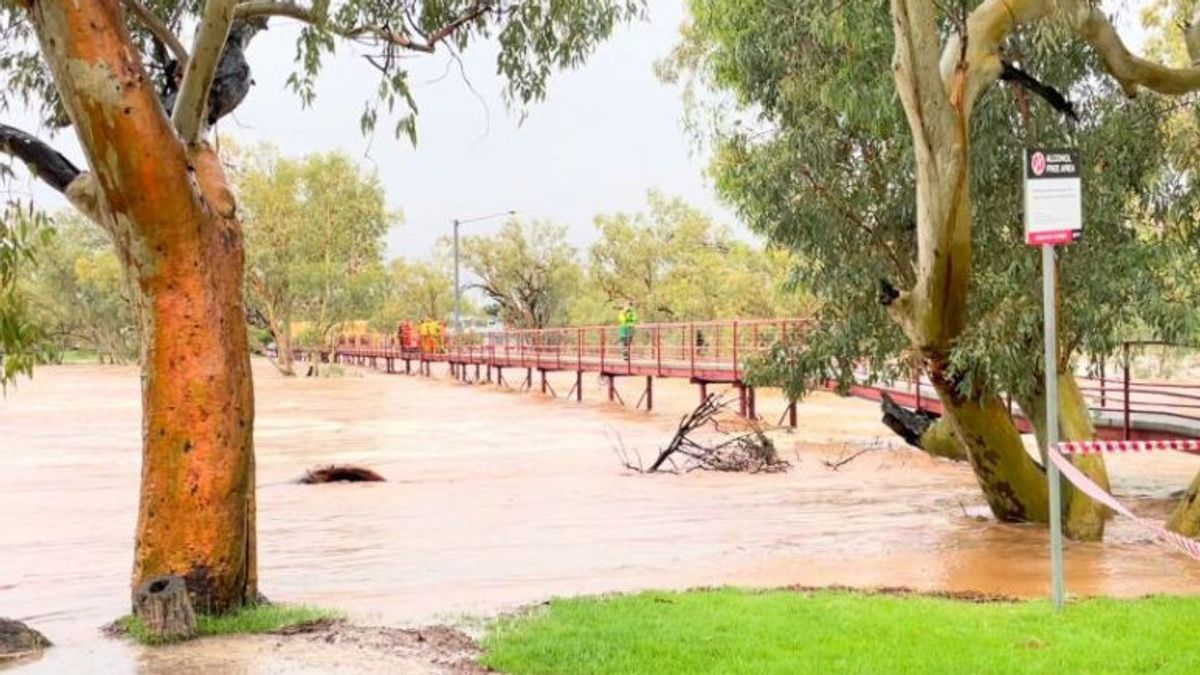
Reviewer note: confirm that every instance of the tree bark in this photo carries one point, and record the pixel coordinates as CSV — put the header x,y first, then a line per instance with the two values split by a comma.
x,y
283,351
1186,518
1012,483
932,434
938,94
197,513
173,219
163,606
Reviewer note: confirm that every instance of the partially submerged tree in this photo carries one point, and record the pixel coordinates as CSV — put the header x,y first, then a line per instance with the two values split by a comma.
x,y
528,270
822,161
141,105
315,232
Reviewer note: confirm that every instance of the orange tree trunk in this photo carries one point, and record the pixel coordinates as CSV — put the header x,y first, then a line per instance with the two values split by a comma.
x,y
196,515
174,222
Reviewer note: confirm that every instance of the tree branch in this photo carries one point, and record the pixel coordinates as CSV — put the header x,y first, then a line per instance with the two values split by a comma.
x,y
1131,71
159,30
44,162
1049,94
385,34
190,107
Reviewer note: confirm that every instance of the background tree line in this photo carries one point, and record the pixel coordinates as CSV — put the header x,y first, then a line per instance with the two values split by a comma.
x,y
316,231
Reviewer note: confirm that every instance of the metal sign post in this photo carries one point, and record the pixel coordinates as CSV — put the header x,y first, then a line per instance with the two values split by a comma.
x,y
1053,215
1057,583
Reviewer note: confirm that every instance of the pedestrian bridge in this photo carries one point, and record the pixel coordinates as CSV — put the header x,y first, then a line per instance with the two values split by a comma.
x,y
720,353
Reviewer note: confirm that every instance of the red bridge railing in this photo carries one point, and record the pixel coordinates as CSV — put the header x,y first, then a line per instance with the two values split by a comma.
x,y
718,351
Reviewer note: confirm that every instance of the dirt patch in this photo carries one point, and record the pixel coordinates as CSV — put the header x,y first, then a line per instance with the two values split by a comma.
x,y
448,649
904,592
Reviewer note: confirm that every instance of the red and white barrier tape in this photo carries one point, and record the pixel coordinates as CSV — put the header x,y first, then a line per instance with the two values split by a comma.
x,y
1077,478
1096,447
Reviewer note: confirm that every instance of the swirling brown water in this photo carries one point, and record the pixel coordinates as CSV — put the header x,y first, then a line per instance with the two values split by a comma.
x,y
498,499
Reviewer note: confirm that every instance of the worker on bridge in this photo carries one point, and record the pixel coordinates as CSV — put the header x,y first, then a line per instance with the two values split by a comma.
x,y
626,321
425,332
439,336
408,339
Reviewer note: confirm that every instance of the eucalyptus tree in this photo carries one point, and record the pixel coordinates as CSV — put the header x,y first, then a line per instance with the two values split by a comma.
x,y
315,229
873,140
674,263
141,100
528,270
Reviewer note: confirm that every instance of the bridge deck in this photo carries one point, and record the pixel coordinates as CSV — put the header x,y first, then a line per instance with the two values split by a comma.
x,y
717,352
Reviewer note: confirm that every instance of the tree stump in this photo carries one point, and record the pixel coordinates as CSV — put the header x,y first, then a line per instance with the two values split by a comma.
x,y
164,608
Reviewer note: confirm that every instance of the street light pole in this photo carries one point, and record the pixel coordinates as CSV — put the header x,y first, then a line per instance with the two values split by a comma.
x,y
457,286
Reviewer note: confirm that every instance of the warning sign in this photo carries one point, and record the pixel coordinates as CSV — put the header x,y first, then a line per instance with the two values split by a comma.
x,y
1053,197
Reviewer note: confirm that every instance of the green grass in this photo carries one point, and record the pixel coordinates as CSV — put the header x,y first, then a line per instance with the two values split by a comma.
x,y
733,631
245,621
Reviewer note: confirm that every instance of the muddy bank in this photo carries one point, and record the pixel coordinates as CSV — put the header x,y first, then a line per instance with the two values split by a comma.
x,y
495,500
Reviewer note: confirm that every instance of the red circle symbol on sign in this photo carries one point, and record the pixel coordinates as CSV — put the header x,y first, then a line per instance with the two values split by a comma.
x,y
1038,163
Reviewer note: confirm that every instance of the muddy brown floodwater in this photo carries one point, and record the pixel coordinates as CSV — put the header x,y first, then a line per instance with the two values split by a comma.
x,y
498,499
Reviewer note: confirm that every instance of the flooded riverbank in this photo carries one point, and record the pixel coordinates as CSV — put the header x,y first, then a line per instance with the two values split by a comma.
x,y
497,499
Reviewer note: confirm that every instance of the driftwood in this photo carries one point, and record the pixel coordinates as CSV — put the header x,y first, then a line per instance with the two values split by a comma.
x,y
751,452
345,473
163,606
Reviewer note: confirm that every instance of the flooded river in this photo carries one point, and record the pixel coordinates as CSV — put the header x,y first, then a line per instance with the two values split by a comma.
x,y
498,499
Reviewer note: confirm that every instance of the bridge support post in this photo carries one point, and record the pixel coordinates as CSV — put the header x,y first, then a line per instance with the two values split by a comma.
x,y
499,375
543,372
529,378
703,391
792,413
751,406
612,388
408,366
649,393
489,373
578,386
743,400
476,373
391,365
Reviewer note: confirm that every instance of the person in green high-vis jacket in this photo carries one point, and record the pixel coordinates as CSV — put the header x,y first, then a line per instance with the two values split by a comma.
x,y
626,320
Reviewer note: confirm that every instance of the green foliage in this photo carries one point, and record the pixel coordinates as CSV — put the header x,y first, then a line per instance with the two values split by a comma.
x,y
315,232
528,270
79,296
22,230
419,289
818,158
535,37
675,264
733,631
251,620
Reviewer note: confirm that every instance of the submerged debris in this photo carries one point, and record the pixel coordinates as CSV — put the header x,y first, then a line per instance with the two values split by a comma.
x,y
751,452
346,473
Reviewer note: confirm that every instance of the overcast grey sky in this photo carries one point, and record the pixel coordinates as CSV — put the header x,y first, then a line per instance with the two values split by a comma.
x,y
606,133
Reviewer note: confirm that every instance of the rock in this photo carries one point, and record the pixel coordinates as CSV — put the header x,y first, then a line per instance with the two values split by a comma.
x,y
18,640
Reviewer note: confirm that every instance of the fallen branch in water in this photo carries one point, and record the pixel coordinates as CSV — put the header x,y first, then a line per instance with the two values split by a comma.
x,y
751,452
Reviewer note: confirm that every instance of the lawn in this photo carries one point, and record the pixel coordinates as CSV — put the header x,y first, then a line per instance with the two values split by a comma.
x,y
248,620
735,631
